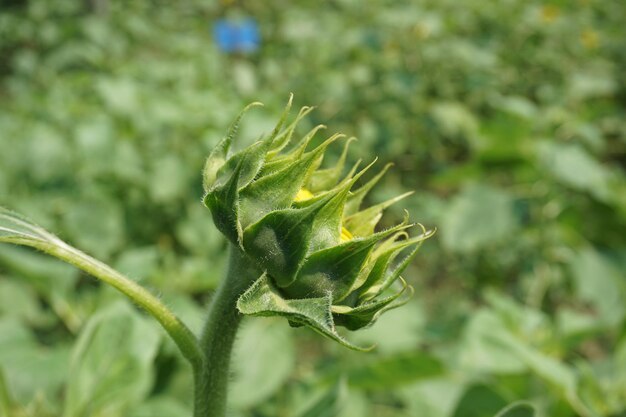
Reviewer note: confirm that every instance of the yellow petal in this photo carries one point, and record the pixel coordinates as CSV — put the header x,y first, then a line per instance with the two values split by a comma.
x,y
346,235
303,194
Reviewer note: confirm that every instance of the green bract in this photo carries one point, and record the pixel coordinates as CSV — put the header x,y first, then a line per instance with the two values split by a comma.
x,y
323,262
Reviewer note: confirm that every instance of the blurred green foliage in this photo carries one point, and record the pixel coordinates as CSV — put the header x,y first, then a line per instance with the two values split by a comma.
x,y
506,117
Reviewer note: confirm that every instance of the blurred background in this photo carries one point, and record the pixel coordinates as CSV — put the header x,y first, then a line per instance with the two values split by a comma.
x,y
506,118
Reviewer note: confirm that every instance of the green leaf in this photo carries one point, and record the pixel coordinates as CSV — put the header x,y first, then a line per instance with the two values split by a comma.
x,y
263,359
434,397
330,404
481,351
598,281
166,179
29,367
561,376
15,228
480,401
394,370
395,331
47,275
111,366
96,224
160,406
139,263
480,216
574,167
19,300
455,119
5,397
517,409
261,299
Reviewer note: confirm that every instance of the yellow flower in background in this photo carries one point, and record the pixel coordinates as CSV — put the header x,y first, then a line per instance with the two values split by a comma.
x,y
549,13
590,39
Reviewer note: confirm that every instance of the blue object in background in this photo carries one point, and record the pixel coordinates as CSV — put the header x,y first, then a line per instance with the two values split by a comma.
x,y
237,36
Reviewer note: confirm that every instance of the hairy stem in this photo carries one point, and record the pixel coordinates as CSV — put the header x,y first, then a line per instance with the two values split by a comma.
x,y
175,328
219,335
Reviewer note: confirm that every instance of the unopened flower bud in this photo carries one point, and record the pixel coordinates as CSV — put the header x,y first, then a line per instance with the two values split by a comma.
x,y
324,264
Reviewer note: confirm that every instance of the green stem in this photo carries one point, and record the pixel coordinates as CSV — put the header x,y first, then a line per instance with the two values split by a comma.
x,y
175,328
5,397
219,335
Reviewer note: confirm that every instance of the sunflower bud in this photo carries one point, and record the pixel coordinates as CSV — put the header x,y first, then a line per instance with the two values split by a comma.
x,y
324,263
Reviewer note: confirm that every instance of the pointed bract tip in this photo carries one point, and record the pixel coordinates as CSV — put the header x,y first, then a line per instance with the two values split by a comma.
x,y
363,171
251,105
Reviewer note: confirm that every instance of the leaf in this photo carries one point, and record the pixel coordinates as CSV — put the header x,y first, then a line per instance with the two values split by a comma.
x,y
139,263
19,300
395,331
15,228
598,281
480,216
517,409
160,406
264,358
455,119
121,95
479,401
480,350
330,404
166,179
434,397
5,397
47,275
111,365
95,224
392,371
556,373
263,300
29,367
574,167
